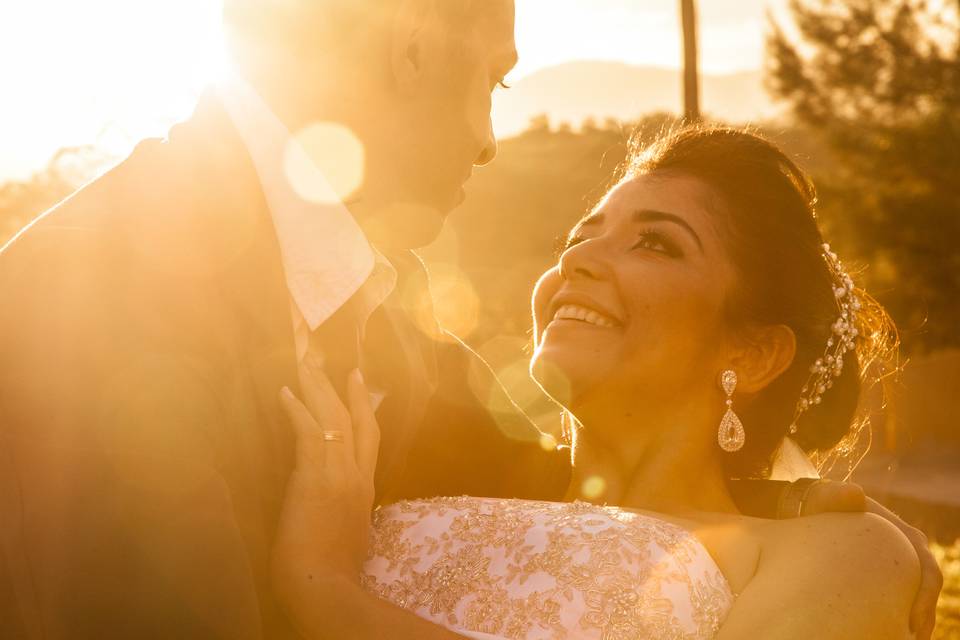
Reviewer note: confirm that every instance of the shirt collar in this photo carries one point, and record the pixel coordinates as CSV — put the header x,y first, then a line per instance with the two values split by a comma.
x,y
326,256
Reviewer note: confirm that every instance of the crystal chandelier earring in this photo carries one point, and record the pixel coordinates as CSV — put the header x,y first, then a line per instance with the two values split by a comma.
x,y
731,435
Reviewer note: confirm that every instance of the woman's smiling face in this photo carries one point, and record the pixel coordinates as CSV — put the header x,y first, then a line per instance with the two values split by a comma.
x,y
635,304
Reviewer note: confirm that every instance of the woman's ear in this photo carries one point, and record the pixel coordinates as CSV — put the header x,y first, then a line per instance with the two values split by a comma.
x,y
763,354
409,42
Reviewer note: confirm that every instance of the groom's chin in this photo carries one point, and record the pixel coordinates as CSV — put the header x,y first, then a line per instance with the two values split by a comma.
x,y
442,208
405,225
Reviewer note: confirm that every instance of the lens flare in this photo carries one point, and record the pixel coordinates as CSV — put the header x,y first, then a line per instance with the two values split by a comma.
x,y
593,487
552,379
548,442
325,163
504,349
456,304
516,379
445,249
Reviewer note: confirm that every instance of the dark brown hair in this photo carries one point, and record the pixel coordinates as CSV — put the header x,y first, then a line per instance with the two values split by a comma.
x,y
766,205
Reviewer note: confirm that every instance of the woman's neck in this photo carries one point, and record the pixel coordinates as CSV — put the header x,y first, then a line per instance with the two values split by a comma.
x,y
650,460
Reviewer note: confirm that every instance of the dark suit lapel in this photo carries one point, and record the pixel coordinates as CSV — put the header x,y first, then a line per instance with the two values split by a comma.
x,y
259,358
238,231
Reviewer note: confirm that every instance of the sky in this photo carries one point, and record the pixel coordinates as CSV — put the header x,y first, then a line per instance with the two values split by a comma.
x,y
114,71
638,31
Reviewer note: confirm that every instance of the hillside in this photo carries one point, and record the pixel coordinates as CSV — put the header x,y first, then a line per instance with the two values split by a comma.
x,y
575,91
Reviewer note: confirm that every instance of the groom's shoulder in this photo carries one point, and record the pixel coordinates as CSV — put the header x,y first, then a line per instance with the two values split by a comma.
x,y
123,197
192,185
167,201
144,240
69,234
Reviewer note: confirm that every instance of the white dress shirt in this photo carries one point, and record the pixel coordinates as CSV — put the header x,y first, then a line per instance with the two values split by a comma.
x,y
326,256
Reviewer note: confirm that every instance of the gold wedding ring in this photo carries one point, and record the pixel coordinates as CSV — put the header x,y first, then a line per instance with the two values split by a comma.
x,y
333,436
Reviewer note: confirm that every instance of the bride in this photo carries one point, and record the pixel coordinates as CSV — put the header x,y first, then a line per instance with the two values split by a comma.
x,y
694,320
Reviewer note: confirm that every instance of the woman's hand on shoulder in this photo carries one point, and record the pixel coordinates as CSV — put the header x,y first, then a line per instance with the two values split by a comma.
x,y
829,576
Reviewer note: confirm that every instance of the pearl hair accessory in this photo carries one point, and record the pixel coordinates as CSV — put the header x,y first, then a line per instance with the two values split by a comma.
x,y
830,365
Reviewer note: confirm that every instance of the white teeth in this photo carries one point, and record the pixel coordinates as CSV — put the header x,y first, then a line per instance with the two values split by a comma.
x,y
576,312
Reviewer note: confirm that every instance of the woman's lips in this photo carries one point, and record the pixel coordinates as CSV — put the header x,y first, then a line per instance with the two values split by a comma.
x,y
584,314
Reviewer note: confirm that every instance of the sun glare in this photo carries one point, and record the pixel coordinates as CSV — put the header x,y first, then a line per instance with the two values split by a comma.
x,y
325,163
111,72
107,71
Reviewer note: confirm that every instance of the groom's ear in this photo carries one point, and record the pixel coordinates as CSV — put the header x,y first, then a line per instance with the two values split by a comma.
x,y
412,39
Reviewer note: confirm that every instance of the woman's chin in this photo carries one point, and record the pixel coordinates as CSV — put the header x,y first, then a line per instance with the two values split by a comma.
x,y
555,378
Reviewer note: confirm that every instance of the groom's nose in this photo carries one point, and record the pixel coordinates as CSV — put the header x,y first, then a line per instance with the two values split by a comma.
x,y
489,150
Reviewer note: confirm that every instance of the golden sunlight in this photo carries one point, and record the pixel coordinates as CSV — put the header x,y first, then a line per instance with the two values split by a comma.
x,y
325,163
593,487
224,280
104,71
129,69
455,302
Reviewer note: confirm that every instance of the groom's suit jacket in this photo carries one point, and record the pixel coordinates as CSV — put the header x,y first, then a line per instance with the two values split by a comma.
x,y
145,332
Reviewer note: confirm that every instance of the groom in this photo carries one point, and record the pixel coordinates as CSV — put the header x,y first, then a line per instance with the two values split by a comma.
x,y
150,320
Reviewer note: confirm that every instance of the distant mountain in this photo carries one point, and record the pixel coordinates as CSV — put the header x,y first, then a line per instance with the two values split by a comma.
x,y
575,91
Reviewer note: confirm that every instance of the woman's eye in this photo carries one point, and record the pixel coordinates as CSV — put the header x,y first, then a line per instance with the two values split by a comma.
x,y
650,240
655,242
503,84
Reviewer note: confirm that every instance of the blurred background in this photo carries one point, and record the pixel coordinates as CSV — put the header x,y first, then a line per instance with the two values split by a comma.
x,y
865,94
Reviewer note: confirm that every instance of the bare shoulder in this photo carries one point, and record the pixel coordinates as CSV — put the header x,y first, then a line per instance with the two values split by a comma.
x,y
854,562
833,577
850,536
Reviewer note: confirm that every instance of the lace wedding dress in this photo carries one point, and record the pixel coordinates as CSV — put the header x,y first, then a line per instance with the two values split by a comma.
x,y
497,569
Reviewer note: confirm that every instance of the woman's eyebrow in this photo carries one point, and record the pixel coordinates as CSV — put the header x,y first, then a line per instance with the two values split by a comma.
x,y
652,215
644,215
592,219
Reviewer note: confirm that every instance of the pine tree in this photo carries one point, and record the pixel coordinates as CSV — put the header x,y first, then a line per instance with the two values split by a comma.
x,y
691,62
880,80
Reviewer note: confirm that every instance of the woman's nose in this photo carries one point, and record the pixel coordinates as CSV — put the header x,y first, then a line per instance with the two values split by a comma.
x,y
582,261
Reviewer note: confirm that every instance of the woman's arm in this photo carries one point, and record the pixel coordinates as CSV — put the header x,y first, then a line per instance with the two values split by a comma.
x,y
830,577
338,608
322,536
772,499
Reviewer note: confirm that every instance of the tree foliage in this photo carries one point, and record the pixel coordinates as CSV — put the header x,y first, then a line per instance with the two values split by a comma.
x,y
22,200
880,81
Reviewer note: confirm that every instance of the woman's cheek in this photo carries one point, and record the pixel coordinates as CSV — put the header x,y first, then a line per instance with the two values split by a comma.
x,y
546,288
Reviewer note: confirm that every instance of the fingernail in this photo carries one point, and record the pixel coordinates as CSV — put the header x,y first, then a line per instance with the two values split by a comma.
x,y
358,375
286,393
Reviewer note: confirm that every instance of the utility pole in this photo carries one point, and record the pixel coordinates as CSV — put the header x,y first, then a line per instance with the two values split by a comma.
x,y
691,71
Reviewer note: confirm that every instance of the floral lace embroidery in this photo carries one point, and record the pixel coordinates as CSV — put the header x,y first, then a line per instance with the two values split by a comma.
x,y
536,570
